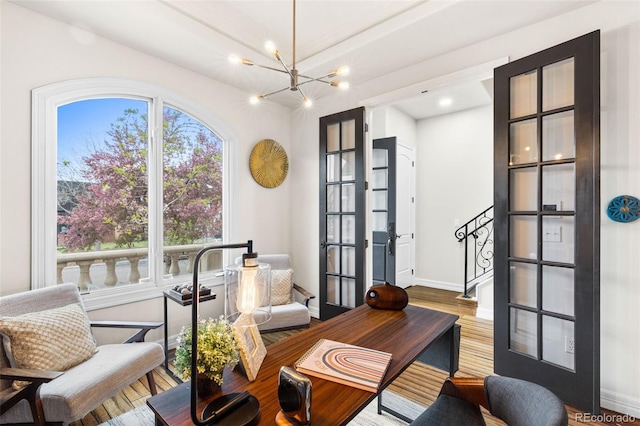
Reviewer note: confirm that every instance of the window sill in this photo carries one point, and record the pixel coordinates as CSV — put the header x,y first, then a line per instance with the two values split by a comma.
x,y
117,296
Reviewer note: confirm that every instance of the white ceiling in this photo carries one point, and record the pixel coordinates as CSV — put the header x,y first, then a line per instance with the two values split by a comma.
x,y
372,37
448,99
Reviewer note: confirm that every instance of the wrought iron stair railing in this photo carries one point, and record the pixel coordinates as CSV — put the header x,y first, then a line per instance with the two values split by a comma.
x,y
477,235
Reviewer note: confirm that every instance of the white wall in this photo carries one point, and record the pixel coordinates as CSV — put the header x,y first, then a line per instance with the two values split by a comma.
x,y
389,121
37,51
620,243
454,183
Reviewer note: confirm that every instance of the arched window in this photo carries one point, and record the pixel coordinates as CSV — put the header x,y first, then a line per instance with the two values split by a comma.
x,y
128,185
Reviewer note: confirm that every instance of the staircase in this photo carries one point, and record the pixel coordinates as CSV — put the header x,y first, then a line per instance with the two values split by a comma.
x,y
477,236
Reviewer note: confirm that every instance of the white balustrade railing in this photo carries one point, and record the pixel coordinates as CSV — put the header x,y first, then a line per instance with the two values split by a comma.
x,y
100,268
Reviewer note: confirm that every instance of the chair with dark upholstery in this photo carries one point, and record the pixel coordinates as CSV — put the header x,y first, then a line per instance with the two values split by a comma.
x,y
48,329
516,402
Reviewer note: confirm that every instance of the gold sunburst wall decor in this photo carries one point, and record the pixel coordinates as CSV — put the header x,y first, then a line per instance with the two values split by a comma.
x,y
269,163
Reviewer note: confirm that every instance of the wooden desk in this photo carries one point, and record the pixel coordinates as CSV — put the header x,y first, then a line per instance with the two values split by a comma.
x,y
405,334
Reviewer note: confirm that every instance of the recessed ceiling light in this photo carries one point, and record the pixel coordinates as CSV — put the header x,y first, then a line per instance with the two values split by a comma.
x,y
444,102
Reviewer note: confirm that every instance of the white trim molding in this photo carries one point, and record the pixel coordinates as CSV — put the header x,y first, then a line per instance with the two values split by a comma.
x,y
45,103
442,285
620,404
476,73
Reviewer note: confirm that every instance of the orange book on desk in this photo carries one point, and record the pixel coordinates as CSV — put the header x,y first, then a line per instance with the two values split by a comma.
x,y
351,365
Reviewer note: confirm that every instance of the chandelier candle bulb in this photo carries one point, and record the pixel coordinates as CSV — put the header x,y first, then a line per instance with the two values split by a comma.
x,y
234,59
340,84
271,47
342,71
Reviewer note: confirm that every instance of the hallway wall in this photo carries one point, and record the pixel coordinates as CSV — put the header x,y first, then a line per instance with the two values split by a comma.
x,y
454,184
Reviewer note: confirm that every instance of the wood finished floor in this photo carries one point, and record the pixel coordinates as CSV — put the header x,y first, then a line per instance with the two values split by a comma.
x,y
419,383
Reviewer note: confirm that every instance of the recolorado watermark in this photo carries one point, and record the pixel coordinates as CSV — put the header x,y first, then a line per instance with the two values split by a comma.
x,y
617,419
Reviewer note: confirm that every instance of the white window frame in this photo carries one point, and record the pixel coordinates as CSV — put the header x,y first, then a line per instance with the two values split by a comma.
x,y
45,103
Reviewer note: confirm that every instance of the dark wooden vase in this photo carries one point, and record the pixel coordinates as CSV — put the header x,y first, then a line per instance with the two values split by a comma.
x,y
387,296
206,386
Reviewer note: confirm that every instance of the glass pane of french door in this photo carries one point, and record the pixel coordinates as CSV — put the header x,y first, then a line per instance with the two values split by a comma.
x,y
547,218
383,210
341,212
537,233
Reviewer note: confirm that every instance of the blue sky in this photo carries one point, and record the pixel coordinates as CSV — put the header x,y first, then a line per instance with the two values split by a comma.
x,y
83,127
84,124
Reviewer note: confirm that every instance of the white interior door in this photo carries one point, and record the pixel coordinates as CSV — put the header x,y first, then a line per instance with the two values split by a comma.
x,y
405,216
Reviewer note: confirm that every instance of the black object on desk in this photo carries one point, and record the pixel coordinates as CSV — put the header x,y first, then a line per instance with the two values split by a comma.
x,y
178,298
235,409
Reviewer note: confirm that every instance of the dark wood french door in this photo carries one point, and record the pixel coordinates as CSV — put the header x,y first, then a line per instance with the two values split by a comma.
x,y
547,220
342,212
383,206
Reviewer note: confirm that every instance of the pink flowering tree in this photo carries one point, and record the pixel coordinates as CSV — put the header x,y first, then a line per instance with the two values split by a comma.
x,y
113,206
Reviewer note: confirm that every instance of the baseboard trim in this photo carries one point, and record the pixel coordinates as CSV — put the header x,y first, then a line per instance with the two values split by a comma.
x,y
620,404
484,313
314,312
442,285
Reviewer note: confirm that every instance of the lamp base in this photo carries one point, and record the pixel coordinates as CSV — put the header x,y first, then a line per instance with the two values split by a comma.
x,y
246,414
282,420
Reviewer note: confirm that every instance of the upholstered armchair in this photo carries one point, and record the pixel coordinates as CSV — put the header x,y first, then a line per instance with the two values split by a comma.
x,y
30,392
289,301
516,402
47,340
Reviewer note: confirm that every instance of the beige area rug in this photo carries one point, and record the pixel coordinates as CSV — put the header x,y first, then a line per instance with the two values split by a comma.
x,y
143,416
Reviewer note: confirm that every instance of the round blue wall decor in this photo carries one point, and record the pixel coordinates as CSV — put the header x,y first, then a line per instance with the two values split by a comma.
x,y
624,208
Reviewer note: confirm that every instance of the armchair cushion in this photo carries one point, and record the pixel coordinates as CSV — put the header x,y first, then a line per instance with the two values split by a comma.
x,y
520,402
53,339
281,286
291,315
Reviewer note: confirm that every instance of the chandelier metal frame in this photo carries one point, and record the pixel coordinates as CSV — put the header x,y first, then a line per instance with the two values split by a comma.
x,y
292,72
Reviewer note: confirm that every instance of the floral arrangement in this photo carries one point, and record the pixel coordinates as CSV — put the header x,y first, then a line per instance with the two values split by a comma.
x,y
217,348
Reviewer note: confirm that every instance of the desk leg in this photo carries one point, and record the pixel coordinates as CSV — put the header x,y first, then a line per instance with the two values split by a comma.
x,y
450,334
452,350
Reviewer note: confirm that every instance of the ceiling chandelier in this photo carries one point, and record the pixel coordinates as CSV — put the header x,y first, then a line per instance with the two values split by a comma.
x,y
294,77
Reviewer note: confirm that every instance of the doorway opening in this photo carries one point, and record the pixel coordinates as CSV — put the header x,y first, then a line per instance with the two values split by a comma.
x,y
446,125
